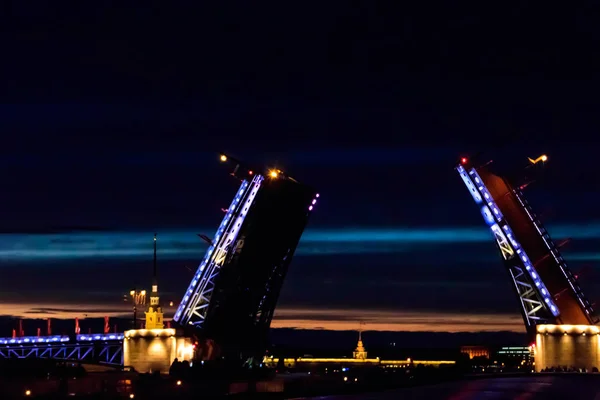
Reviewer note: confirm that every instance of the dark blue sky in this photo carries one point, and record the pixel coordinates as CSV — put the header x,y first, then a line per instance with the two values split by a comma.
x,y
112,119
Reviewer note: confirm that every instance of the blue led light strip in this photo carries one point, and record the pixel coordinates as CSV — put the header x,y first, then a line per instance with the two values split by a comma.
x,y
211,249
225,235
61,338
35,339
555,253
100,336
477,182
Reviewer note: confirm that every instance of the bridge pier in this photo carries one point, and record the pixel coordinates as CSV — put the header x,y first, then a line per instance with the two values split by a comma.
x,y
567,346
154,350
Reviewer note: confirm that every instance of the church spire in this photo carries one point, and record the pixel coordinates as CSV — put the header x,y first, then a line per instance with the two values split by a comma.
x,y
155,277
360,352
154,314
154,298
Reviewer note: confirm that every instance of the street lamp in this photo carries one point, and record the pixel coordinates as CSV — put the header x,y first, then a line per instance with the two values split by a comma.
x,y
138,298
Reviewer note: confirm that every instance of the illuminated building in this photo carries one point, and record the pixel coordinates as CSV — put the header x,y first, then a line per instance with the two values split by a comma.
x,y
232,296
567,346
359,359
355,362
516,351
547,290
360,353
153,350
519,356
154,313
475,351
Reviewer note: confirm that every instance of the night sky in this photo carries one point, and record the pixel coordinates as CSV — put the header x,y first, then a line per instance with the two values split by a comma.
x,y
112,120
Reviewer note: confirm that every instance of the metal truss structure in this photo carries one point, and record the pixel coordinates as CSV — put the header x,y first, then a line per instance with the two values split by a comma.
x,y
100,352
555,254
562,301
193,307
93,348
537,304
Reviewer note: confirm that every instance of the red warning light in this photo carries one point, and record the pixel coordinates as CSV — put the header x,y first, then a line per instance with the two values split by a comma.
x,y
463,160
250,172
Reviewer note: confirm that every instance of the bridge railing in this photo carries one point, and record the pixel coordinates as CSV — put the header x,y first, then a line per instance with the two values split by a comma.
x,y
110,353
93,348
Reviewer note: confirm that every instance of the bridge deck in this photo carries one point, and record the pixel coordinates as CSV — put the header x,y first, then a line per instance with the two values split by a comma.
x,y
93,348
60,338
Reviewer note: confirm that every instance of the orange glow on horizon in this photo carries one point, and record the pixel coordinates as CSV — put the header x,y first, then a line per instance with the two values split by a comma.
x,y
405,321
305,318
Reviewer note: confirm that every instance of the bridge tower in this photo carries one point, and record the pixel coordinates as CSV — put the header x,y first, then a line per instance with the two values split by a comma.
x,y
548,292
232,297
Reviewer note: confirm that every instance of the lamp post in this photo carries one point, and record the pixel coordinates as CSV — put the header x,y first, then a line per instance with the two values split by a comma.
x,y
138,298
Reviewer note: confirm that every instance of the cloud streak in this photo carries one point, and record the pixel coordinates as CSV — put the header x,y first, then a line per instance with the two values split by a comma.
x,y
442,264
316,242
63,310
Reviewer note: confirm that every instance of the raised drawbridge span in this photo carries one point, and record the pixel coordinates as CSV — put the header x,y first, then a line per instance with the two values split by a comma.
x,y
547,290
231,299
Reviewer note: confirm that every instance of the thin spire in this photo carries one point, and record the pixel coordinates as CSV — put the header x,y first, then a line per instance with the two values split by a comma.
x,y
155,278
360,352
154,314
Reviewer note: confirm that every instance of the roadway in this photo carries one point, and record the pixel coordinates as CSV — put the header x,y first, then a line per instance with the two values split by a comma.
x,y
564,387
